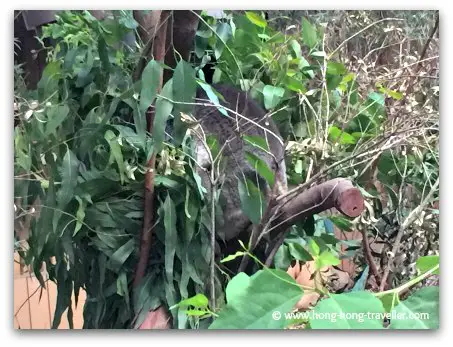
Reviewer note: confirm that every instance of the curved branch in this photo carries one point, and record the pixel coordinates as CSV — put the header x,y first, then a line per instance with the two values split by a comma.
x,y
338,193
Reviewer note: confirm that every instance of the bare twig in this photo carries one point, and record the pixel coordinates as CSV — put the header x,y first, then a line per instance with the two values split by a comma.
x,y
360,31
406,223
368,255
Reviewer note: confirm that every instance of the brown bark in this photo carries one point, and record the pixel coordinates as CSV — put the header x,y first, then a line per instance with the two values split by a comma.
x,y
181,29
148,33
147,24
180,38
338,193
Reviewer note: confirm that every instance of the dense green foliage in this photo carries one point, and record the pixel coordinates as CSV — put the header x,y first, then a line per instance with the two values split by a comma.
x,y
81,150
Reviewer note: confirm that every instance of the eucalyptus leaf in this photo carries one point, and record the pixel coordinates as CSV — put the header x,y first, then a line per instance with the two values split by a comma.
x,y
163,110
150,85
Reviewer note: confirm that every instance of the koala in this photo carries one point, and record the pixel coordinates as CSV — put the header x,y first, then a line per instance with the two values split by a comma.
x,y
229,131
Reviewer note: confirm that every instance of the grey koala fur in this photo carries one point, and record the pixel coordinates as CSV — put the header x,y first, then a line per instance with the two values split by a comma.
x,y
231,129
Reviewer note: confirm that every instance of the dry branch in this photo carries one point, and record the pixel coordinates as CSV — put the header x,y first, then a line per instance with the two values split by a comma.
x,y
337,193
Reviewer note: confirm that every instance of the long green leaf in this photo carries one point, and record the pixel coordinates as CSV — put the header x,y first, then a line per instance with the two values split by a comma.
x,y
163,110
118,258
115,153
184,89
252,200
150,85
261,167
171,236
69,172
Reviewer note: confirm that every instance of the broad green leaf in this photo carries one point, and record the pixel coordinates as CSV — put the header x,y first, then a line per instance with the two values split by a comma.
x,y
224,34
252,200
256,19
299,252
48,83
306,68
333,81
334,68
254,300
236,286
257,141
428,262
419,311
314,248
355,310
261,167
163,110
309,33
56,116
184,86
201,44
326,258
295,85
282,259
295,46
150,84
341,223
272,96
389,301
336,134
318,54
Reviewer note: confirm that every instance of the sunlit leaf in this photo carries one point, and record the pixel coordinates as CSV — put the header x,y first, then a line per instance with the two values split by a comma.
x,y
256,19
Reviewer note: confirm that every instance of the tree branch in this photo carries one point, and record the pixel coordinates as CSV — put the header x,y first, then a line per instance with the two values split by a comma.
x,y
338,193
148,217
